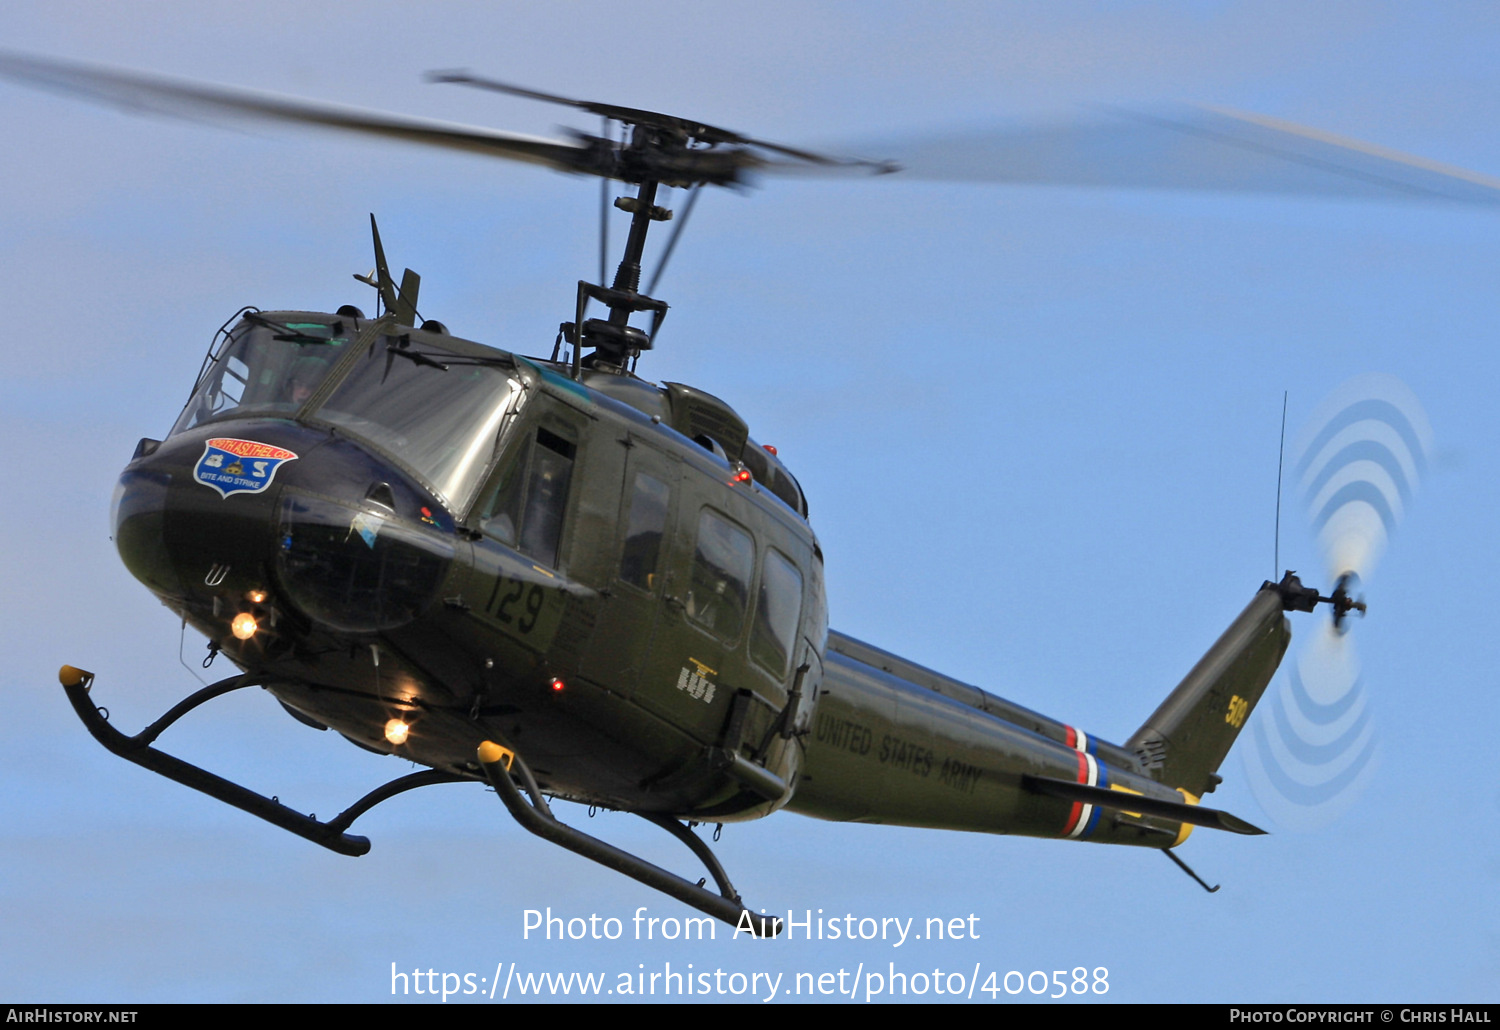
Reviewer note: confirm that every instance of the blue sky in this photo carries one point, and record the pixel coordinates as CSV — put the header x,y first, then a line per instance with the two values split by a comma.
x,y
1037,429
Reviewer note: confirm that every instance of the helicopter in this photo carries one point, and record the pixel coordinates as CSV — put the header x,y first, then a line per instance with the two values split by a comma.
x,y
642,629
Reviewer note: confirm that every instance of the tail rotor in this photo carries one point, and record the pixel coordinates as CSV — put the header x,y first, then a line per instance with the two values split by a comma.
x,y
1361,456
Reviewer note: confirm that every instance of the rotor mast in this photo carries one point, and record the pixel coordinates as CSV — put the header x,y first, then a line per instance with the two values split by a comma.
x,y
656,146
615,342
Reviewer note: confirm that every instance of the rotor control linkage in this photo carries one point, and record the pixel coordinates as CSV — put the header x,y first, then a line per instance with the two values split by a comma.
x,y
1297,598
137,749
501,765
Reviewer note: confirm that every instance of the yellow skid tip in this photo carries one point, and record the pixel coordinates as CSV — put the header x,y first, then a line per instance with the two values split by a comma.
x,y
71,677
490,752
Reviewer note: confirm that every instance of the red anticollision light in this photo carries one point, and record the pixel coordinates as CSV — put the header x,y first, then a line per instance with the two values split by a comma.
x,y
768,447
742,476
557,685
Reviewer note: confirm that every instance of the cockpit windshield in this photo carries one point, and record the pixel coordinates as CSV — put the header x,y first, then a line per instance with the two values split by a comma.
x,y
265,368
441,414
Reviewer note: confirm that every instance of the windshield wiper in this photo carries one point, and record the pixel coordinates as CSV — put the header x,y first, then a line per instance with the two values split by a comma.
x,y
401,347
449,360
403,350
287,334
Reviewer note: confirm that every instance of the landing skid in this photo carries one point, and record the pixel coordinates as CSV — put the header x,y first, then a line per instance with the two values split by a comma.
x,y
501,765
497,762
137,749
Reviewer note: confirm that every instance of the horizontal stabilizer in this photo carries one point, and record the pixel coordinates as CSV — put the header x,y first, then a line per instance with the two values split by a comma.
x,y
1177,811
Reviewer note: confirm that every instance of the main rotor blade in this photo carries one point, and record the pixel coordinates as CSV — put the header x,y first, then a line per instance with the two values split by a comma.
x,y
1188,148
635,116
138,92
629,115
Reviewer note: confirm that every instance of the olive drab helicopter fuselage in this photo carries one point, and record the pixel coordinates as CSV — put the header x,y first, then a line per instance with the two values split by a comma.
x,y
425,544
560,579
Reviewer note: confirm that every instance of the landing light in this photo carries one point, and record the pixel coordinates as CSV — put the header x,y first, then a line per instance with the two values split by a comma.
x,y
243,626
397,731
257,597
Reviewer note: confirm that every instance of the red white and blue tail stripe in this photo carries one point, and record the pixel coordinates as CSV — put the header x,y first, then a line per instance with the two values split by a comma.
x,y
1081,741
1083,818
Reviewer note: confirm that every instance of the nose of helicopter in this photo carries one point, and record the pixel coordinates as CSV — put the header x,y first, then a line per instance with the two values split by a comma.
x,y
186,526
355,564
351,543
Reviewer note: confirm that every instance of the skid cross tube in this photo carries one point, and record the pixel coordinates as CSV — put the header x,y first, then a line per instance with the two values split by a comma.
x,y
696,846
137,749
537,817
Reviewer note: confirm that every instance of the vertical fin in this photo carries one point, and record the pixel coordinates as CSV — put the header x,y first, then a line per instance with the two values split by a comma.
x,y
1188,736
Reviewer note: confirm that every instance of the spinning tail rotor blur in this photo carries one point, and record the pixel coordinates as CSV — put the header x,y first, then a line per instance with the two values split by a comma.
x,y
1359,460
